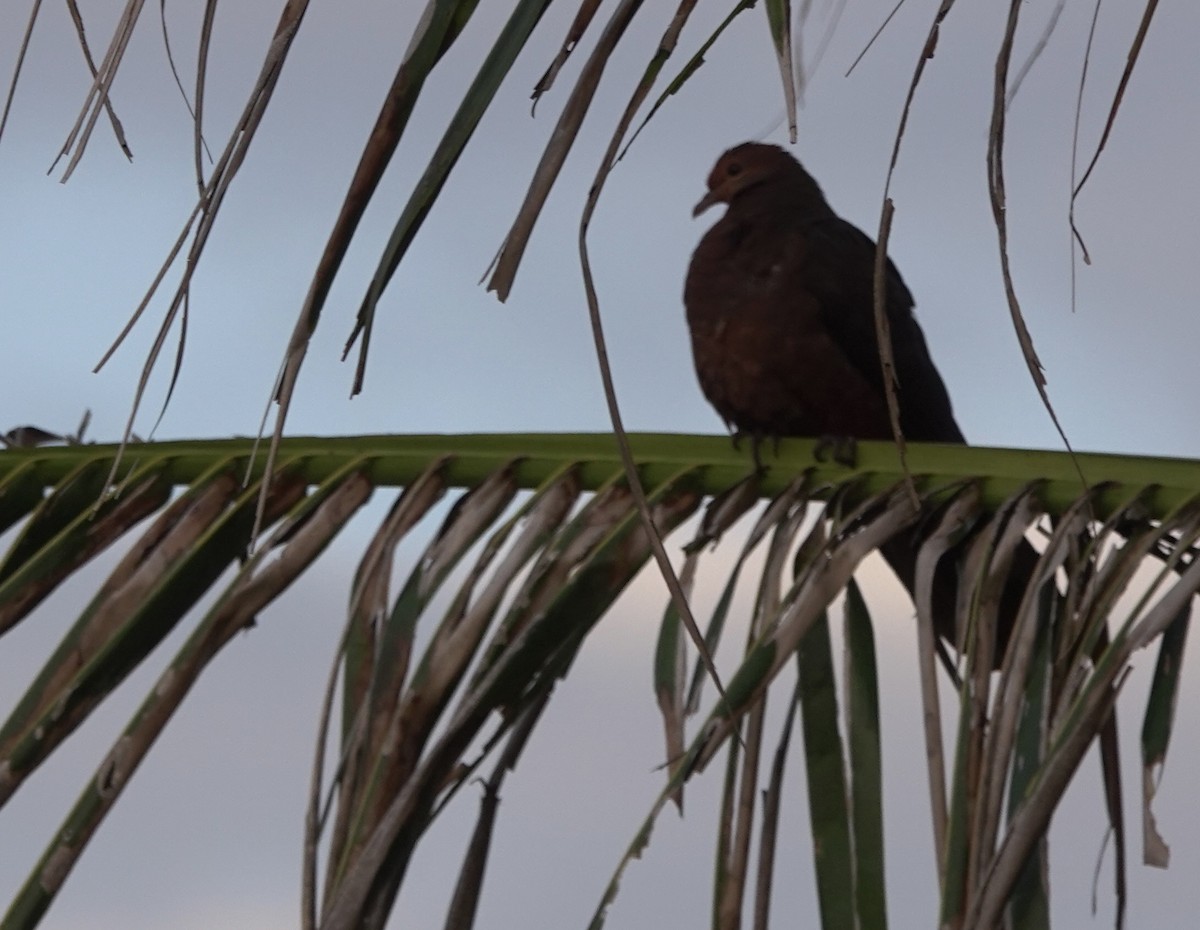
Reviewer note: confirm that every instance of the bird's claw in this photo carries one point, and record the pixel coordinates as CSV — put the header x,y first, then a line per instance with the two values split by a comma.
x,y
756,443
840,449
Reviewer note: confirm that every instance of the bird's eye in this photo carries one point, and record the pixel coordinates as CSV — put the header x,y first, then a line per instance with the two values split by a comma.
x,y
733,169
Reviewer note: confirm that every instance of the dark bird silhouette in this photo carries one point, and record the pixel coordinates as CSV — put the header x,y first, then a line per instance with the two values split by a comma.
x,y
780,305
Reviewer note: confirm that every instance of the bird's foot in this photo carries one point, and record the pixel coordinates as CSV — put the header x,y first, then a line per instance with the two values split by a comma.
x,y
756,442
755,445
840,449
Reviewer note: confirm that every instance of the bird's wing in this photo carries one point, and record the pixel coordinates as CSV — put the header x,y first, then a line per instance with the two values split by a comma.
x,y
839,273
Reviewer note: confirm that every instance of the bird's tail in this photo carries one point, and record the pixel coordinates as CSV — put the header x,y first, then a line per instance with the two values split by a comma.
x,y
901,555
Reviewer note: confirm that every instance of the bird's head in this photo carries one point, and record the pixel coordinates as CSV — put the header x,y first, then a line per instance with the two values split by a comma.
x,y
746,166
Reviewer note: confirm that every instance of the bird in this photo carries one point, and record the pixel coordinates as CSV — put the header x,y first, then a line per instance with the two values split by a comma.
x,y
779,300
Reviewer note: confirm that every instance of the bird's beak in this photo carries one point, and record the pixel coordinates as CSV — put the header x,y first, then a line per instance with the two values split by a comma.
x,y
705,202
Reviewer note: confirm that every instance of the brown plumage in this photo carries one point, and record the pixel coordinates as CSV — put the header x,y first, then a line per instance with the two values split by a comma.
x,y
780,305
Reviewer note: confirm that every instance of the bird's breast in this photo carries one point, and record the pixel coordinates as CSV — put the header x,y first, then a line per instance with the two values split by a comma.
x,y
764,355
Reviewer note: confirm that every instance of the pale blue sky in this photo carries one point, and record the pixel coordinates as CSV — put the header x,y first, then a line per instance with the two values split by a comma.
x,y
75,259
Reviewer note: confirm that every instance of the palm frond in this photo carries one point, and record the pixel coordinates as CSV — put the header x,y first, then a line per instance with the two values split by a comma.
x,y
458,665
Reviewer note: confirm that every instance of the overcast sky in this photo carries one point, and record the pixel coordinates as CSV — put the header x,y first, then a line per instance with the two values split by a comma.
x,y
76,258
